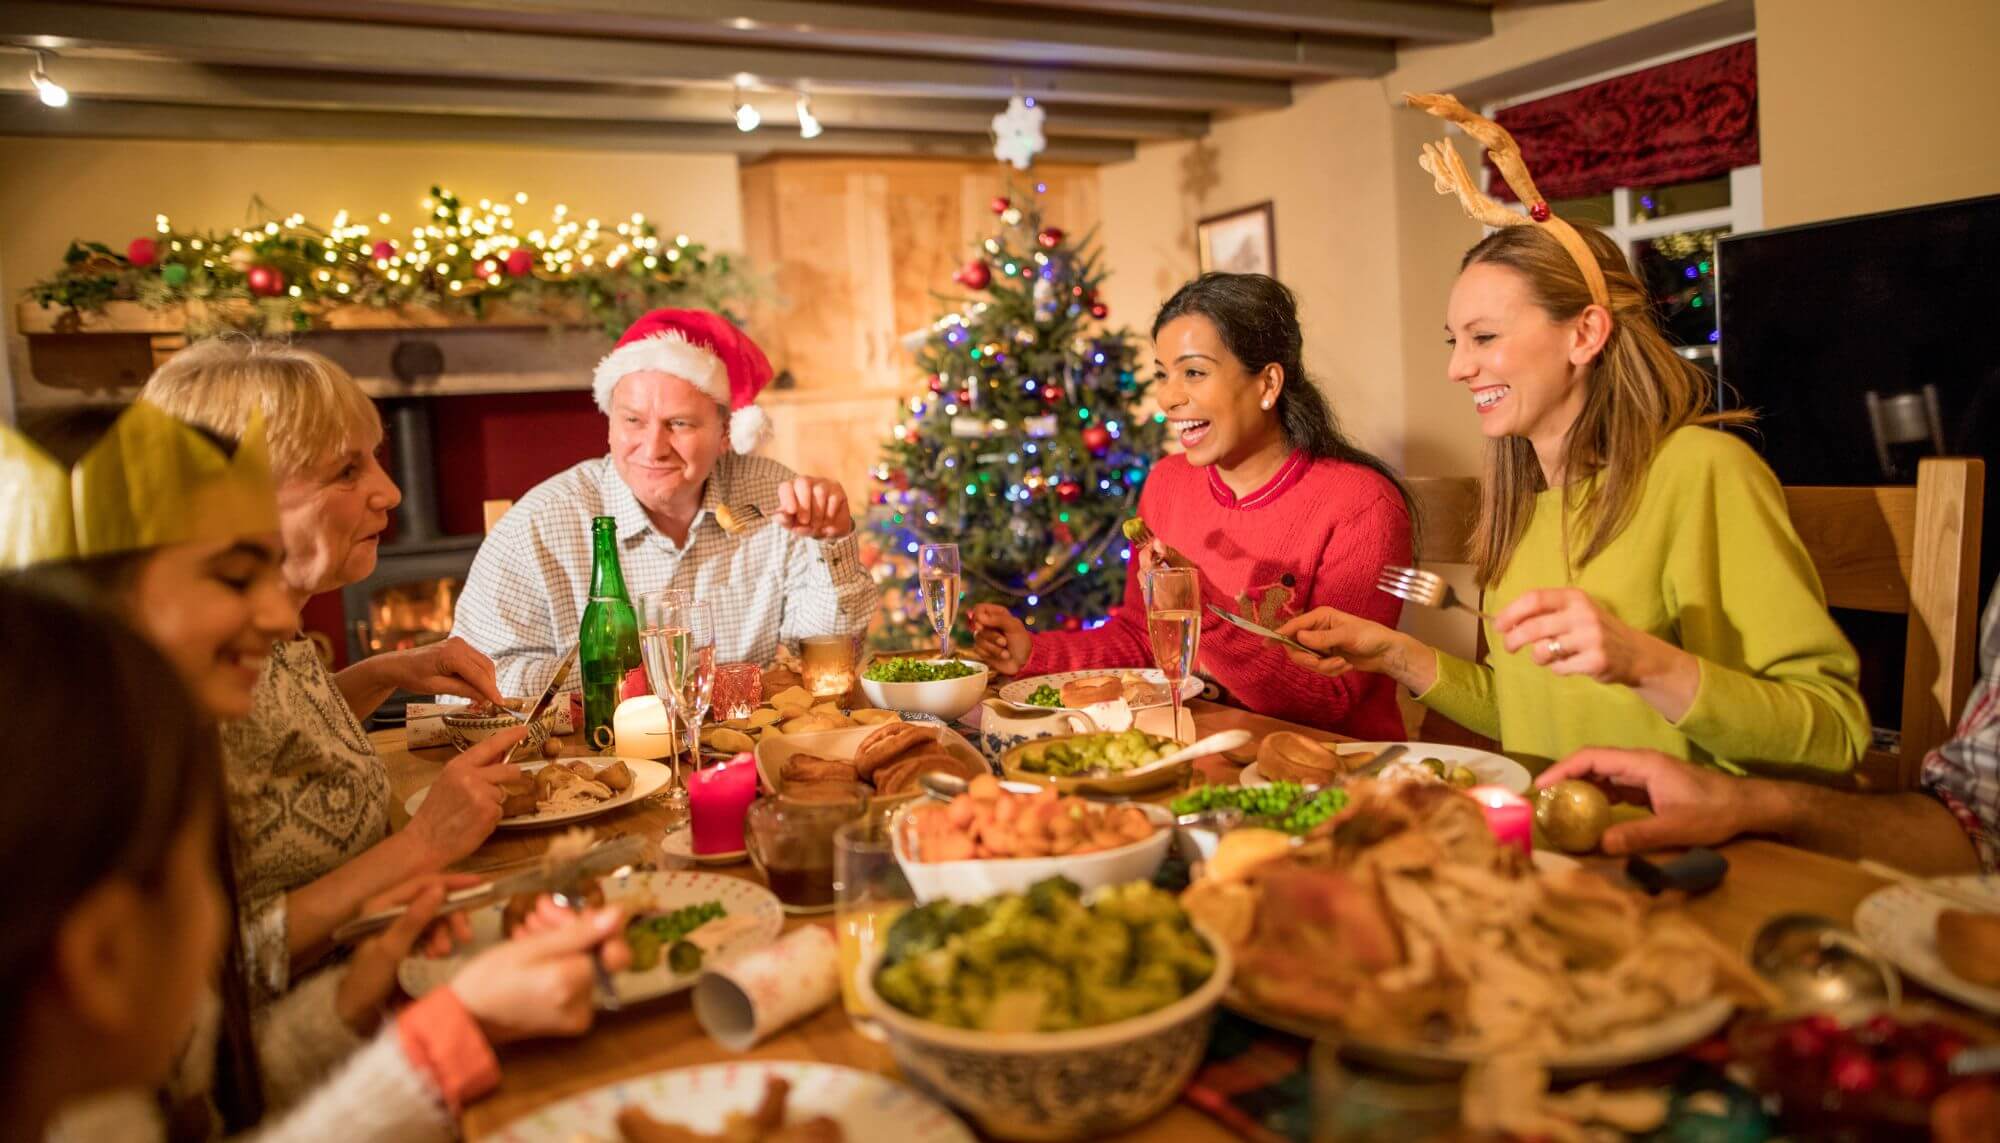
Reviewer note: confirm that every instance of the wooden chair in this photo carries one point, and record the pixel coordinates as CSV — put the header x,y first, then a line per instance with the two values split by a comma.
x,y
494,509
1914,552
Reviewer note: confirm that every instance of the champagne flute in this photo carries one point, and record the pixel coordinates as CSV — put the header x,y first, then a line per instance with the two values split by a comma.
x,y
1173,621
696,674
938,583
657,612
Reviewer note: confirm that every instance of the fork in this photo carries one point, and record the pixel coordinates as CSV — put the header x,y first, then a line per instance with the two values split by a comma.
x,y
1423,588
608,991
739,518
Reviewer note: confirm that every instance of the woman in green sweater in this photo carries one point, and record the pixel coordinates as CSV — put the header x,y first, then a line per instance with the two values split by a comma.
x,y
1646,586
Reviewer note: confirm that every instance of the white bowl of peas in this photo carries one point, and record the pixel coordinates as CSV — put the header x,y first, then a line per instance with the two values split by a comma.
x,y
946,688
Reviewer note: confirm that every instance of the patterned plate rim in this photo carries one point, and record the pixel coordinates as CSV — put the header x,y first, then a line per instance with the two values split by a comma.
x,y
1017,692
417,975
937,1125
1910,942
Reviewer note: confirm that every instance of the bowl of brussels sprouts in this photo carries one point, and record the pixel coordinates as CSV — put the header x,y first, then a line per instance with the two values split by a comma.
x,y
1049,1014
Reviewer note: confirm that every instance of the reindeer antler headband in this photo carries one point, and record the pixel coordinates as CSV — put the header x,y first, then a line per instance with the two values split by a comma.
x,y
1451,177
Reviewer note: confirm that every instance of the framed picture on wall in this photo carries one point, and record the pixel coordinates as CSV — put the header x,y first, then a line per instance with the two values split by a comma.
x,y
1239,242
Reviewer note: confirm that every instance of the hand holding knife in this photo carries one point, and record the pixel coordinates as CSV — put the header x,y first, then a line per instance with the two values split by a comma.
x,y
550,874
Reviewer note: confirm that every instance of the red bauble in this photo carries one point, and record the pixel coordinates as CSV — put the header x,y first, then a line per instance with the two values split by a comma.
x,y
382,251
266,282
1050,238
937,383
1051,393
964,397
1068,491
1000,204
1072,623
520,261
142,252
1062,534
1096,438
974,275
1099,310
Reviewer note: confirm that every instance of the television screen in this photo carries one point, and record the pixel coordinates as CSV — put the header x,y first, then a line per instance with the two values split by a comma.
x,y
1865,344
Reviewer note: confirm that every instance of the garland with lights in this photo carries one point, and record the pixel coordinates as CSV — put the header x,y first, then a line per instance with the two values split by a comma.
x,y
282,275
1029,448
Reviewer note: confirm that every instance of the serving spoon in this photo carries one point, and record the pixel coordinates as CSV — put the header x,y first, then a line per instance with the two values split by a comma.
x,y
1816,964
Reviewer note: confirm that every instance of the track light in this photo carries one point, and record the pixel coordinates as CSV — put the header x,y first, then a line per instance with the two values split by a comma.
x,y
747,117
809,127
52,94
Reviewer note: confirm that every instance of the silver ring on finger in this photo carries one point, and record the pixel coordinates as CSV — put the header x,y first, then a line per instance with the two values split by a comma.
x,y
1555,649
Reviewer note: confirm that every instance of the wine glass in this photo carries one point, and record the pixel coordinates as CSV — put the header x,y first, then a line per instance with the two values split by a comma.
x,y
938,583
661,615
1173,621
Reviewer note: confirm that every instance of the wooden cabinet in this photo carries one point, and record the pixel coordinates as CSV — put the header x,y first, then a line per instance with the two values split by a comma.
x,y
853,250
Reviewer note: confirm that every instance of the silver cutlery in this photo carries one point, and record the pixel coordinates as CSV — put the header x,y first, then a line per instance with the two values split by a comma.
x,y
547,700
1259,629
1423,588
569,899
541,875
737,519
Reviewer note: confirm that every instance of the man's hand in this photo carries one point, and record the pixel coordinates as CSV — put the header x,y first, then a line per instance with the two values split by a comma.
x,y
451,667
464,803
814,507
1692,805
999,640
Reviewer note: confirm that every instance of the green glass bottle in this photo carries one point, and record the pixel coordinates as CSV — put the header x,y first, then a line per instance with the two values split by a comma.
x,y
608,645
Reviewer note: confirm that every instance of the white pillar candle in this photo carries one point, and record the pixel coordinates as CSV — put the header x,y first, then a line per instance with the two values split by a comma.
x,y
639,728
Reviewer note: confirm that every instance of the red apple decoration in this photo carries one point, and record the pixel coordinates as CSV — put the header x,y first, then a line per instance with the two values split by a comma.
x,y
520,261
142,252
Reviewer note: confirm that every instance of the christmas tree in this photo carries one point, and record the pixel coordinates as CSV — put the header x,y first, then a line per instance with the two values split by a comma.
x,y
1029,448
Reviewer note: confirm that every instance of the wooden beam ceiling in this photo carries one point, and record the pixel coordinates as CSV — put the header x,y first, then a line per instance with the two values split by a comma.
x,y
885,76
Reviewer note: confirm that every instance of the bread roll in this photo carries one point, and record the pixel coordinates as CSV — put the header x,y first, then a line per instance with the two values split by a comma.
x,y
900,776
812,768
887,743
1969,945
1097,688
1285,756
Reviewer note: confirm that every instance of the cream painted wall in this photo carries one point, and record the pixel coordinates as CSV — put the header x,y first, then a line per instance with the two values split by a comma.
x,y
54,189
1867,107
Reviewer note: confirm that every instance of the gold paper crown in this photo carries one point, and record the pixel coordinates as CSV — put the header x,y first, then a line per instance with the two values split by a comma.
x,y
152,480
1450,176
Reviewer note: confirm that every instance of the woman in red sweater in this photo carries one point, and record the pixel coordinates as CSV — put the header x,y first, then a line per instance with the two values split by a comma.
x,y
1276,509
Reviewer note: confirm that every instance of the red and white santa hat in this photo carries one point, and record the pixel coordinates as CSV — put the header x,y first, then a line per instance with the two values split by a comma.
x,y
705,350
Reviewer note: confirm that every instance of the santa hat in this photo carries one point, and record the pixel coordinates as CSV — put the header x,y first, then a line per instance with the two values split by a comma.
x,y
706,351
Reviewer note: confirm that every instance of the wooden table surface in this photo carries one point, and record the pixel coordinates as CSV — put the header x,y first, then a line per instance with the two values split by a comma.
x,y
1765,879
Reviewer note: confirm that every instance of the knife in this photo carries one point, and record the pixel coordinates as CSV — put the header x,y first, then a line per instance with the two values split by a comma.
x,y
1259,629
547,700
546,876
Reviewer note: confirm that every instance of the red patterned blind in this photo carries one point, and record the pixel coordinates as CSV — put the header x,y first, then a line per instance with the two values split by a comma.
x,y
1694,118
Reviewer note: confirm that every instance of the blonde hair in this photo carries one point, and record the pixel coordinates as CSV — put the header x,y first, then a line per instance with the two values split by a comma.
x,y
1638,391
313,410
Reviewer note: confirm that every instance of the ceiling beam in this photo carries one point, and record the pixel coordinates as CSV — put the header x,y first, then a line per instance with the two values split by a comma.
x,y
521,57
22,115
1421,21
209,85
962,30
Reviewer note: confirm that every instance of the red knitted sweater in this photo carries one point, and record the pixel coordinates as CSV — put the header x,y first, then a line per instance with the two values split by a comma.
x,y
1327,526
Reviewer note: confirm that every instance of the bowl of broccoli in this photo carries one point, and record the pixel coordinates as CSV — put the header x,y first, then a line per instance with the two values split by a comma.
x,y
946,688
1052,1013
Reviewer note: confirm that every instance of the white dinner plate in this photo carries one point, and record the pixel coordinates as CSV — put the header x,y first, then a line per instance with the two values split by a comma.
x,y
665,892
1018,691
867,1106
647,779
1493,769
679,844
1901,923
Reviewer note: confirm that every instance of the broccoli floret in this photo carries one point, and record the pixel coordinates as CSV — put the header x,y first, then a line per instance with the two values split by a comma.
x,y
1137,903
1047,895
1179,948
1097,951
920,930
903,986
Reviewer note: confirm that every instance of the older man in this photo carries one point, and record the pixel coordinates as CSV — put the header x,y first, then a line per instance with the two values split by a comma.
x,y
680,392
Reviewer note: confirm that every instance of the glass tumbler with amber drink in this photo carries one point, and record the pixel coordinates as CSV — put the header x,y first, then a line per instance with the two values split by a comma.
x,y
790,839
828,664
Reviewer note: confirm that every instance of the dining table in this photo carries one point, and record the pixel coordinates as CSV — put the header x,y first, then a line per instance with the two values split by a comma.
x,y
1765,879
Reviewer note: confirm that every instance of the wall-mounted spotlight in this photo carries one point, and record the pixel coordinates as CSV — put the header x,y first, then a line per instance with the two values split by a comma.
x,y
52,93
809,127
747,117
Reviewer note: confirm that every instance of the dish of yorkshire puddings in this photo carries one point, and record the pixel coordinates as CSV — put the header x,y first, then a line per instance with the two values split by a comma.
x,y
890,758
789,711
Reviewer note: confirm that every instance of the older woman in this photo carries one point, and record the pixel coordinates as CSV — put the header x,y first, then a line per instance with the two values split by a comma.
x,y
309,799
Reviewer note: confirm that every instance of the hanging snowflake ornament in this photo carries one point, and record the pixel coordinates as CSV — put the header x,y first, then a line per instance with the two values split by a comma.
x,y
1017,133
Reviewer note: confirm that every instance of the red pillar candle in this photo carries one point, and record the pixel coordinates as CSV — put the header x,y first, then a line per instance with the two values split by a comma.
x,y
718,799
1509,816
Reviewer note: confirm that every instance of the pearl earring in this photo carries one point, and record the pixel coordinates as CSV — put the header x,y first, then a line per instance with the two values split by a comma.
x,y
1267,404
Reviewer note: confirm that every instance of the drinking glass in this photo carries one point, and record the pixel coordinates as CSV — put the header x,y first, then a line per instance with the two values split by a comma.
x,y
738,687
869,893
1173,620
938,583
827,664
677,639
1354,1103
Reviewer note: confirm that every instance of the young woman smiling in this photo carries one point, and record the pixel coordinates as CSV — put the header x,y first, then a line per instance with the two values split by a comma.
x,y
1646,586
1268,501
